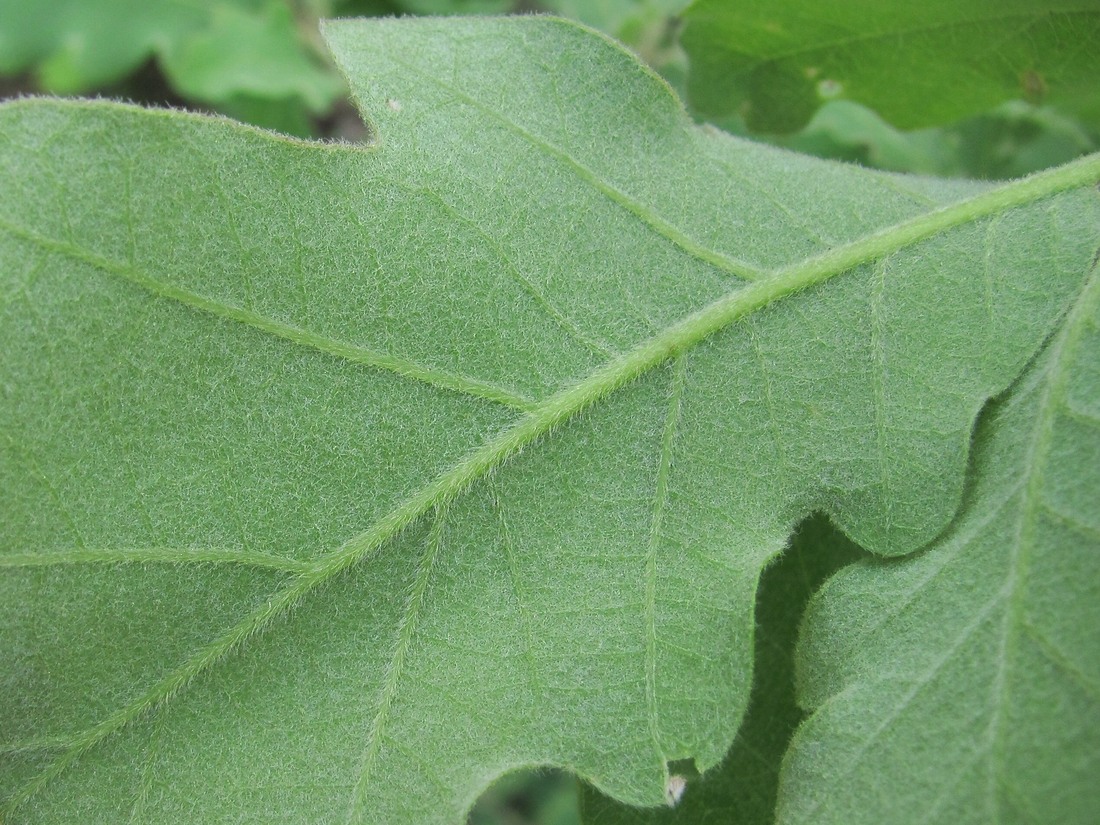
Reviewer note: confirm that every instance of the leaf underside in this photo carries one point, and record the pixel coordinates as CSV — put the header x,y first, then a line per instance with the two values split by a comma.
x,y
340,480
743,788
984,647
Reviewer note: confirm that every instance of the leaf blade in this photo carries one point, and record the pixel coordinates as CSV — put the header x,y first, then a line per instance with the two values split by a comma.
x,y
1021,716
597,459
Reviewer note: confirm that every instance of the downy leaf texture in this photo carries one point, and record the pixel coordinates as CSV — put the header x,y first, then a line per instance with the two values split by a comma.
x,y
743,788
967,679
341,479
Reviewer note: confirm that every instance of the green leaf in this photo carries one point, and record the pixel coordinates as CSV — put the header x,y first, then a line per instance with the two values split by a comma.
x,y
340,480
77,45
648,27
617,17
966,680
1013,140
1016,139
456,6
232,54
255,54
743,788
916,64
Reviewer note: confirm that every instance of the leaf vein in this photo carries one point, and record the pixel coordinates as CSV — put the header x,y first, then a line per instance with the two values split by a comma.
x,y
517,590
153,555
306,338
1052,398
660,502
567,324
1072,522
679,238
406,629
1060,660
979,22
904,701
564,405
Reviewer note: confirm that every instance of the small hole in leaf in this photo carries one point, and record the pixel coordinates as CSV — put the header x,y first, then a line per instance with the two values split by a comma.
x,y
680,772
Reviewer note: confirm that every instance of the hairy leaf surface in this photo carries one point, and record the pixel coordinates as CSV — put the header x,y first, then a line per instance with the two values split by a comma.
x,y
967,679
340,480
743,788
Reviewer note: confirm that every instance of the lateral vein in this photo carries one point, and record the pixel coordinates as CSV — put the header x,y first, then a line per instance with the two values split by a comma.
x,y
153,555
667,230
464,384
660,503
564,405
406,629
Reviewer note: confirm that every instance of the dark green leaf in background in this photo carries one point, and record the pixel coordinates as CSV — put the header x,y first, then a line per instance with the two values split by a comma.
x,y
1012,140
916,64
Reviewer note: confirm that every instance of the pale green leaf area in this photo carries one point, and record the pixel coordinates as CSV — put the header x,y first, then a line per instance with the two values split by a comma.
x,y
743,788
243,53
228,53
1012,140
963,685
456,6
341,480
76,45
916,64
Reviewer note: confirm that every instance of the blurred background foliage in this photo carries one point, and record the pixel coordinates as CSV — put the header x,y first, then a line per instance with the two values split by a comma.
x,y
262,61
750,68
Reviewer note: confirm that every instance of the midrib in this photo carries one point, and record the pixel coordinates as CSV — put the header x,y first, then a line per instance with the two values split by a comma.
x,y
569,402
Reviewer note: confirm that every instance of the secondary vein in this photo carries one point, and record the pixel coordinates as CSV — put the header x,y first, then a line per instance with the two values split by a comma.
x,y
667,230
660,504
154,555
564,405
406,629
303,337
1051,398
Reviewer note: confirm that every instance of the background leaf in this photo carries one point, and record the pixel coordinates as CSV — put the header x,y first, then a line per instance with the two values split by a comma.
x,y
963,685
243,57
1013,140
916,64
345,479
